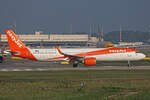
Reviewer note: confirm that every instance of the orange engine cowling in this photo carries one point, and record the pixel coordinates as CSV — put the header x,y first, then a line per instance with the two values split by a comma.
x,y
90,61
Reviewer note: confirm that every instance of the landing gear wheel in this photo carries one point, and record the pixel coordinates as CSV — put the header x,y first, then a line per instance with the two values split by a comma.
x,y
129,64
75,64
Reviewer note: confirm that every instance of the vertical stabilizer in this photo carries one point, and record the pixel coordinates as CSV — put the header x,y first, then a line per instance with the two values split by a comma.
x,y
16,46
14,42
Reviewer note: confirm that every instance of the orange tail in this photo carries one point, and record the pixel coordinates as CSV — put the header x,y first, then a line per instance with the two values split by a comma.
x,y
16,46
14,42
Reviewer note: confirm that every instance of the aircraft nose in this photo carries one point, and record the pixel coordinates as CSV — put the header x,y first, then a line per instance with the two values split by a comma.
x,y
142,56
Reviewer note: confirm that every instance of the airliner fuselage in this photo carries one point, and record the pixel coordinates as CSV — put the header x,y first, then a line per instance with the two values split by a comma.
x,y
116,55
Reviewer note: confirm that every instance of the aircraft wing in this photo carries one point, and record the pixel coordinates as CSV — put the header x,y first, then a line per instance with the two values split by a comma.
x,y
71,57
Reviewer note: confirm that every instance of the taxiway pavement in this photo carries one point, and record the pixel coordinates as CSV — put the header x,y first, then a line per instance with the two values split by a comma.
x,y
44,67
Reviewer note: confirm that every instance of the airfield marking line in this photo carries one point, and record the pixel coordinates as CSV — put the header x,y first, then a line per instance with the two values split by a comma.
x,y
3,70
27,68
15,70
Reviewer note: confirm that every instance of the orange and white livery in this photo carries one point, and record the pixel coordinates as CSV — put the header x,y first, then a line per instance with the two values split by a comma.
x,y
87,56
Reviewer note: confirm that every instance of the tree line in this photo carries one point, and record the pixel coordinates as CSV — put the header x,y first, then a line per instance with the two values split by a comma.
x,y
127,36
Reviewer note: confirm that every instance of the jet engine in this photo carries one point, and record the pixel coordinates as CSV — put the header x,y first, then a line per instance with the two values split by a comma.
x,y
90,61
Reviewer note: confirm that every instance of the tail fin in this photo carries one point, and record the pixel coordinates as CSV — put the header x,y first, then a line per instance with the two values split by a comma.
x,y
16,46
14,42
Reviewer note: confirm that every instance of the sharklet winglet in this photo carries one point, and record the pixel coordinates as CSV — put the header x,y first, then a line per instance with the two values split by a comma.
x,y
57,47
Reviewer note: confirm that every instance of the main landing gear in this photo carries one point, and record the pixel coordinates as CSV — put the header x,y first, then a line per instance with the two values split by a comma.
x,y
75,64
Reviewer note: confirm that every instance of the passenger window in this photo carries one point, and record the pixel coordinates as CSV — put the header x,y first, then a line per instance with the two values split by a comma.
x,y
36,52
129,55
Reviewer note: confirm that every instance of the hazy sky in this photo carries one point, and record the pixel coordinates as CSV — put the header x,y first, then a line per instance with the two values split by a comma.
x,y
57,15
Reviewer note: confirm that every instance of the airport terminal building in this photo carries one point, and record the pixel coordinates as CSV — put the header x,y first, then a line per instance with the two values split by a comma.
x,y
39,38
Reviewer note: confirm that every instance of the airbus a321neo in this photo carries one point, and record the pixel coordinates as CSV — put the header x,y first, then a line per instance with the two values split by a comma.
x,y
87,56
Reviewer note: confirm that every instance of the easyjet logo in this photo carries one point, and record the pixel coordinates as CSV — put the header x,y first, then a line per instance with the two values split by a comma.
x,y
14,39
117,51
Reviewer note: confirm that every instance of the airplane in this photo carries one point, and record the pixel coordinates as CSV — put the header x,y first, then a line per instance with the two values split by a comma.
x,y
86,56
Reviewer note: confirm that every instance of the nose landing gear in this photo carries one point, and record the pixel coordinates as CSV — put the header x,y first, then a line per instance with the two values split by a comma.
x,y
129,64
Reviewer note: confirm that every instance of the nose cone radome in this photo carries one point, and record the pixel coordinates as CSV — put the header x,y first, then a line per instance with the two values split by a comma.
x,y
141,56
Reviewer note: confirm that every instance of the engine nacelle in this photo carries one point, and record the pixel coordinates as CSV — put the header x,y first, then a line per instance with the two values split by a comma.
x,y
90,61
